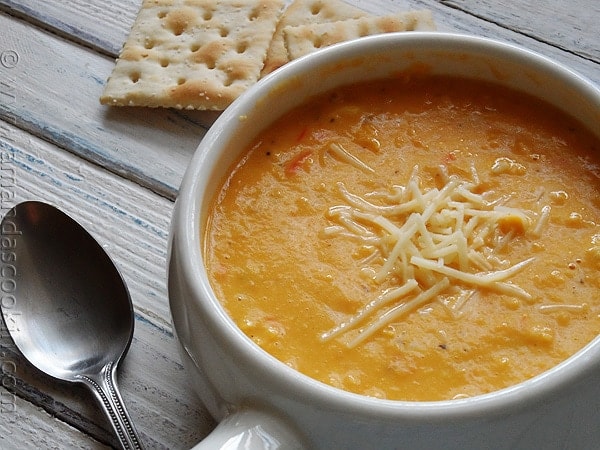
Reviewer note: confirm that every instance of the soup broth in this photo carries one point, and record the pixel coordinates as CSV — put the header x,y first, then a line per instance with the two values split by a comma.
x,y
420,238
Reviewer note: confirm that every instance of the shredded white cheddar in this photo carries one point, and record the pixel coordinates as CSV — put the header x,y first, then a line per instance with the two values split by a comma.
x,y
436,242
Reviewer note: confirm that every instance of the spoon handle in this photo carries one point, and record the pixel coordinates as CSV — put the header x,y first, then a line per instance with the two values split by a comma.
x,y
104,387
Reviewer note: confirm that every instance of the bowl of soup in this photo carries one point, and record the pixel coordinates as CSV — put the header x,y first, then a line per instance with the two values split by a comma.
x,y
394,242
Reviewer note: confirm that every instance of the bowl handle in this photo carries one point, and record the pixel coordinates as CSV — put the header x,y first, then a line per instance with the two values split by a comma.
x,y
250,429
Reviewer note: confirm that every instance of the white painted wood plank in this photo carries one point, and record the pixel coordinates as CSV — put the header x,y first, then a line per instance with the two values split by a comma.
x,y
485,18
454,20
132,224
24,426
102,25
52,91
570,25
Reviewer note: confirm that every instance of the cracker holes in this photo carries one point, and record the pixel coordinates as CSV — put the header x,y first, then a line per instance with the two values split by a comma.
x,y
229,81
316,8
211,63
195,47
254,14
135,77
318,42
181,81
149,44
232,76
164,62
241,47
161,14
208,15
223,32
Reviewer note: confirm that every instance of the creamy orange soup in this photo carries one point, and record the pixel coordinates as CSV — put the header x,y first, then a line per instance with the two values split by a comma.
x,y
417,239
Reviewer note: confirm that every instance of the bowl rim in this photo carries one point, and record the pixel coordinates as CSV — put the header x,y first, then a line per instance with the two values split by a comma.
x,y
186,236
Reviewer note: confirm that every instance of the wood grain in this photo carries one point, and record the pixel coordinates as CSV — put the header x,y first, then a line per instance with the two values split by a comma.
x,y
453,19
571,26
29,427
131,223
100,25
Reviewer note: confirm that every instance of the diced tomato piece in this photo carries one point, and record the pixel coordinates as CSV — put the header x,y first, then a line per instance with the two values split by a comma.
x,y
297,161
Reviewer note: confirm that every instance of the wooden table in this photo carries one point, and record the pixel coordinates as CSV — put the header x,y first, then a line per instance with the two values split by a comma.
x,y
117,172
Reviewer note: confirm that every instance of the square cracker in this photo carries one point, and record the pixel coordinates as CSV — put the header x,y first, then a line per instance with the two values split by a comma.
x,y
302,12
303,39
192,54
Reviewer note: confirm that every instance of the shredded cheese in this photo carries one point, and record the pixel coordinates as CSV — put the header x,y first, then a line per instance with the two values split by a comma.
x,y
385,298
346,156
399,310
566,308
430,240
542,221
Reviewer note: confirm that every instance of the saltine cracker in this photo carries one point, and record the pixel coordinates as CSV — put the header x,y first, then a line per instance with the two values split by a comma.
x,y
192,54
302,12
303,39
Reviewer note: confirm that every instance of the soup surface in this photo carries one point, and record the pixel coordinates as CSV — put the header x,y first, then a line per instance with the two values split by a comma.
x,y
418,238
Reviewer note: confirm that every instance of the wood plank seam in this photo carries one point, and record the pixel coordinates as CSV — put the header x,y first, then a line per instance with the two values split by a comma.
x,y
59,28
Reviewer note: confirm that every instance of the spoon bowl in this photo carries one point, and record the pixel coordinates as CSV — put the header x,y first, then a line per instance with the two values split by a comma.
x,y
72,315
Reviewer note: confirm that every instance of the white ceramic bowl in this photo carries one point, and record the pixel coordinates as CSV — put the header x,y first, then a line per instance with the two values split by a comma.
x,y
266,404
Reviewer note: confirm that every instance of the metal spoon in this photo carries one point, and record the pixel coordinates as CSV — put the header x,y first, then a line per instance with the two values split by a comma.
x,y
69,311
